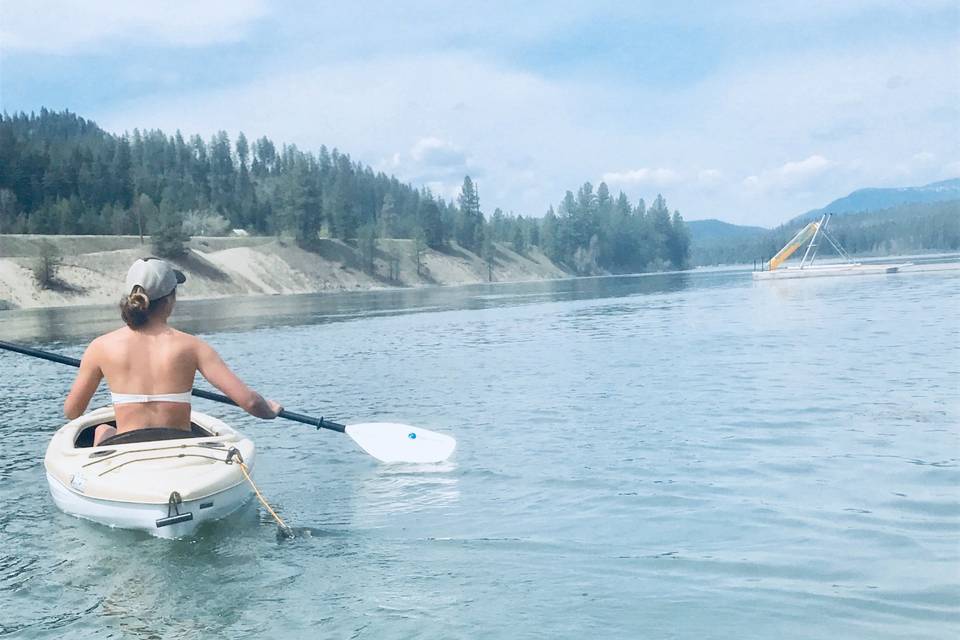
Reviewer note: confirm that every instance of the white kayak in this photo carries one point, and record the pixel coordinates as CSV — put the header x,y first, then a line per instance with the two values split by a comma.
x,y
164,487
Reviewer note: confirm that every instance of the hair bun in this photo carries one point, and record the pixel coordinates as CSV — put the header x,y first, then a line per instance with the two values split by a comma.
x,y
139,300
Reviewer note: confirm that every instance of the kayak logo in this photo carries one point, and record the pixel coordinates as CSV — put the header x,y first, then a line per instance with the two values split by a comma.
x,y
78,481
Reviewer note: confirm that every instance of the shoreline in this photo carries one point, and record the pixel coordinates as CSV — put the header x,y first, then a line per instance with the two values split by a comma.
x,y
92,269
334,292
219,268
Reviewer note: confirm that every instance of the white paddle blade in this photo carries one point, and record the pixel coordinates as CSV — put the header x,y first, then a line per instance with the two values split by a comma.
x,y
391,442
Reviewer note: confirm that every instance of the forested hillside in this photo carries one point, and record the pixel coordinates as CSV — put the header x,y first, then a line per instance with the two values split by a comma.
x,y
62,174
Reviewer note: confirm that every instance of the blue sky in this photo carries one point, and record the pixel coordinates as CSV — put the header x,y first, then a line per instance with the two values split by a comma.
x,y
749,112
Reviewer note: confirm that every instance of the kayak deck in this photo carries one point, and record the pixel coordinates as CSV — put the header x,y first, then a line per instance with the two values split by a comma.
x,y
149,485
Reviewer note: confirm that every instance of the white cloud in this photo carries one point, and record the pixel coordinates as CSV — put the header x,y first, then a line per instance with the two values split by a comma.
x,y
434,162
528,138
791,175
951,170
68,26
435,152
446,190
922,166
802,170
918,163
820,11
426,118
709,177
657,177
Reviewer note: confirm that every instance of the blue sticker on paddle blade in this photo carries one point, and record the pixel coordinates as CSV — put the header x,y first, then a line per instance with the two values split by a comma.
x,y
412,435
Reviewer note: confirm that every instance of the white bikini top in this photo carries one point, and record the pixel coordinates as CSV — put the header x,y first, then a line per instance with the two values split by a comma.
x,y
130,398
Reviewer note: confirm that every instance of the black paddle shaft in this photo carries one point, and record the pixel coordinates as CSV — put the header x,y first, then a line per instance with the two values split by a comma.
x,y
319,423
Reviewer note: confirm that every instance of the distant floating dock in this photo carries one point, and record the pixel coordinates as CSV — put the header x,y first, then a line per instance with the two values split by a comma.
x,y
772,270
825,270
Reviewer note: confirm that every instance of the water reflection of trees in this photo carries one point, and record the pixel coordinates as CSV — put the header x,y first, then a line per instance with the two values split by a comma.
x,y
80,324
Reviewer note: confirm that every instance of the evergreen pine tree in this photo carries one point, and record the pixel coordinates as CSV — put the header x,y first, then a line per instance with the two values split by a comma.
x,y
470,222
388,217
367,247
519,239
168,238
432,224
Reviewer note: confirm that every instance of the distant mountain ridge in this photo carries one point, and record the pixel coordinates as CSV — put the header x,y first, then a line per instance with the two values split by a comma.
x,y
873,199
719,229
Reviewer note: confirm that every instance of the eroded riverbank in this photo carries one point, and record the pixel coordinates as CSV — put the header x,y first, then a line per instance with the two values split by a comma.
x,y
92,268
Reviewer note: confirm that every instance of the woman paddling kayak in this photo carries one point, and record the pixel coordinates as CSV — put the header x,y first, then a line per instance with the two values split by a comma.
x,y
150,366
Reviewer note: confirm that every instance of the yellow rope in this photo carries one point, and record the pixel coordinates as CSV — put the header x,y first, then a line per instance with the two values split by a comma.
x,y
287,531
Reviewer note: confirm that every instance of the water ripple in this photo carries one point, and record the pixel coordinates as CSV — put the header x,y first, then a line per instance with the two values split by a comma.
x,y
680,455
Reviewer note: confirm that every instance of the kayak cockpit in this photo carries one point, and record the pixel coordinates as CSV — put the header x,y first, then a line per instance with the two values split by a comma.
x,y
84,436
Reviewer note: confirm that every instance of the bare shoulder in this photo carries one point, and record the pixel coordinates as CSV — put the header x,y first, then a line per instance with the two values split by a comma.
x,y
103,347
187,338
195,345
107,341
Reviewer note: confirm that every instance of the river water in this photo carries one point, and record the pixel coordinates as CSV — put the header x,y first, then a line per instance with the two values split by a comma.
x,y
688,455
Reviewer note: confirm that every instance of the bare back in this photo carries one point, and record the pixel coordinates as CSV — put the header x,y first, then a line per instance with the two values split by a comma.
x,y
156,360
149,362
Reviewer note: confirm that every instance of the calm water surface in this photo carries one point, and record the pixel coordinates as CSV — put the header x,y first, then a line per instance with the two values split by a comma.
x,y
670,456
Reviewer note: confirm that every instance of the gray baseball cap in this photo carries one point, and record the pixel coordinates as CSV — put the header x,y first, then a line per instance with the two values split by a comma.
x,y
156,277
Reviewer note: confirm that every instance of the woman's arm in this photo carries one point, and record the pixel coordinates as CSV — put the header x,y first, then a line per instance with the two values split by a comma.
x,y
88,379
215,370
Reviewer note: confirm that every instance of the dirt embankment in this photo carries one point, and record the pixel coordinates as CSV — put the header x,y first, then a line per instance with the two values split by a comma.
x,y
93,268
